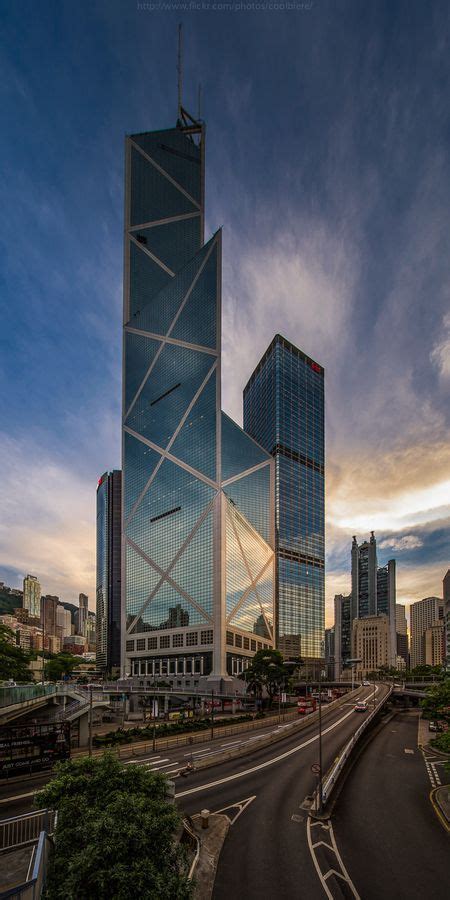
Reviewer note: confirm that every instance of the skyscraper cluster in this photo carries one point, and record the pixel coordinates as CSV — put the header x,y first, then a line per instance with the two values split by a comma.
x,y
365,619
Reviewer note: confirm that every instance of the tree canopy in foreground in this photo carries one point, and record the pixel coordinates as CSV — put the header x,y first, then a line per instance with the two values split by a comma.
x,y
115,833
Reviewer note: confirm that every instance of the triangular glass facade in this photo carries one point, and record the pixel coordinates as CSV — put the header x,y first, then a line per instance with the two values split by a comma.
x,y
197,550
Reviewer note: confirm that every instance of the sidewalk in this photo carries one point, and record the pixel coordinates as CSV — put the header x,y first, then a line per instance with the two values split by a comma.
x,y
424,734
211,843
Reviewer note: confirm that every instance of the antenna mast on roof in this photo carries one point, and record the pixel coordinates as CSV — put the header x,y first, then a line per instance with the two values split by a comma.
x,y
179,67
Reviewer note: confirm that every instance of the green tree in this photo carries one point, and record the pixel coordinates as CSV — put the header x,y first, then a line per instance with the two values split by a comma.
x,y
426,670
115,833
266,671
59,665
13,660
437,702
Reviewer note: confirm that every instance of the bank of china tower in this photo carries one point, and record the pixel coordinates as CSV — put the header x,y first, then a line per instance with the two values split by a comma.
x,y
197,539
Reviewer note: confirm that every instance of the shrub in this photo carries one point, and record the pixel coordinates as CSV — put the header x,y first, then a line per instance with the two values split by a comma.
x,y
114,835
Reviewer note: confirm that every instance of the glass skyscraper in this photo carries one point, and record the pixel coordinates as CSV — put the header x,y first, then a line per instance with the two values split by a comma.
x,y
197,597
108,585
284,411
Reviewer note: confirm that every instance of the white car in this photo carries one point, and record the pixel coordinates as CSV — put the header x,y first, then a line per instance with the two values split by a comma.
x,y
366,684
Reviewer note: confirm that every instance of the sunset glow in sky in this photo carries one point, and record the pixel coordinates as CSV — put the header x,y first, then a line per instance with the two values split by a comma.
x,y
328,168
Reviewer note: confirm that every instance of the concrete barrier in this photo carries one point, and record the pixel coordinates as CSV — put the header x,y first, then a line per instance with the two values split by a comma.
x,y
265,740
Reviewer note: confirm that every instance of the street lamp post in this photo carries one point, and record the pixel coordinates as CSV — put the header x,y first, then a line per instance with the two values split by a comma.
x,y
320,743
90,720
212,715
154,719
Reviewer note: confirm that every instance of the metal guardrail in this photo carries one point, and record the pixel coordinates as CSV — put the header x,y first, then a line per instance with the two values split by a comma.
x,y
32,888
19,831
10,696
190,838
331,779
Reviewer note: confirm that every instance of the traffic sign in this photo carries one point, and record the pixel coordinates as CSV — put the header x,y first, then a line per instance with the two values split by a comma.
x,y
315,768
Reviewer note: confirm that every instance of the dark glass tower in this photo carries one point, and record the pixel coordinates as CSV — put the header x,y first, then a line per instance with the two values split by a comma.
x,y
198,558
284,411
108,588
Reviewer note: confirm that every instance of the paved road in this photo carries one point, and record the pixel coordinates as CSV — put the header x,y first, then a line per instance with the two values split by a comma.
x,y
387,833
266,852
17,797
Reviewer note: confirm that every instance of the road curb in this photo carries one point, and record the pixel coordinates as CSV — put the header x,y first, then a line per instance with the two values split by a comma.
x,y
212,840
439,810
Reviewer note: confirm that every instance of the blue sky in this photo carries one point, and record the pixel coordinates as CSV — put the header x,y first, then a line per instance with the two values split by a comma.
x,y
328,167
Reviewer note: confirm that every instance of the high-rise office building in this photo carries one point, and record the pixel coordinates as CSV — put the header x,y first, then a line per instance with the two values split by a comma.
x,y
49,606
401,629
81,614
371,644
342,632
434,643
63,622
197,515
446,596
329,652
373,588
32,595
284,412
424,614
108,585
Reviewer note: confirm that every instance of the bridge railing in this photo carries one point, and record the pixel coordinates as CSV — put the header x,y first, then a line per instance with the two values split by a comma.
x,y
9,696
32,888
336,770
19,831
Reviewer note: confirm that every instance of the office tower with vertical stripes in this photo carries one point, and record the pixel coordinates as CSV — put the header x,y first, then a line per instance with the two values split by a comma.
x,y
284,411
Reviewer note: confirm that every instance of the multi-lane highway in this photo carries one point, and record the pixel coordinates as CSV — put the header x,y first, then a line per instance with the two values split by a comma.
x,y
267,850
17,796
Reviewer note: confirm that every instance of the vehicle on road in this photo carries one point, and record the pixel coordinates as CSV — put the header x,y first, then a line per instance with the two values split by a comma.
x,y
367,684
435,726
306,705
361,706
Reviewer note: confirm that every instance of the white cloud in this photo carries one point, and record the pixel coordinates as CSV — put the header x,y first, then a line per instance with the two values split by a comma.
x,y
298,283
47,525
440,354
407,542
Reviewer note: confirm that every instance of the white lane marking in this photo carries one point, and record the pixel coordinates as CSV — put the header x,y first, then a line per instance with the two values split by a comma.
x,y
158,761
342,874
196,752
141,760
19,796
231,744
167,766
436,776
263,765
240,805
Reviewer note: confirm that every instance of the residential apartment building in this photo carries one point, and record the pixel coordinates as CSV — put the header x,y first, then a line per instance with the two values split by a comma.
x,y
32,595
424,614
